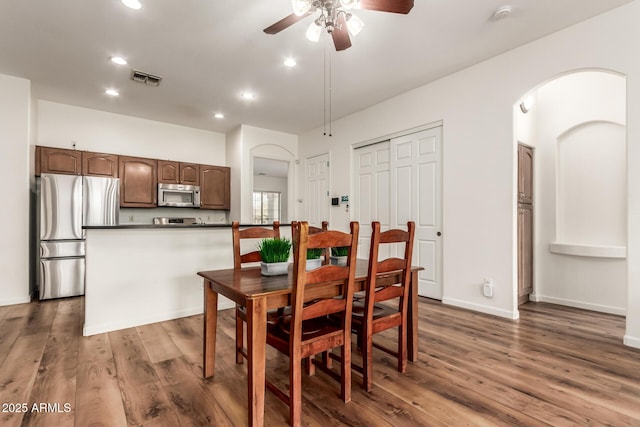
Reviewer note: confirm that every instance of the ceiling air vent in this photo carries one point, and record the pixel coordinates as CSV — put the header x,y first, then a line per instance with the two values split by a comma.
x,y
146,78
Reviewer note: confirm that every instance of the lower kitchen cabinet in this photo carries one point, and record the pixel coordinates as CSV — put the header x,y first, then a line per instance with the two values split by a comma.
x,y
215,187
138,182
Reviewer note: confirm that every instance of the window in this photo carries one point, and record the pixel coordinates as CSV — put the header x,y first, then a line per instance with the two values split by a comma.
x,y
266,207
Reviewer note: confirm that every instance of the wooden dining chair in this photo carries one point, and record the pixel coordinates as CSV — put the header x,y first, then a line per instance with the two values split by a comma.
x,y
371,317
256,234
307,330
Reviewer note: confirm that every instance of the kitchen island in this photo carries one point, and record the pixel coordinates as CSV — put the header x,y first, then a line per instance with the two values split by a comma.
x,y
140,274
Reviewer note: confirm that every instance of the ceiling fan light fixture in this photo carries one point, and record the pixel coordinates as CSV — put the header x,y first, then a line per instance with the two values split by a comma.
x,y
301,7
354,25
314,31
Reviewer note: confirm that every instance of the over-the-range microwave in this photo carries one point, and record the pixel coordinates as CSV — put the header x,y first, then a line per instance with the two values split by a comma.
x,y
179,195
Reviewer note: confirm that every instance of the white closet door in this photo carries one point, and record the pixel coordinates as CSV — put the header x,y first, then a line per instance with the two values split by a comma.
x,y
318,189
372,196
416,191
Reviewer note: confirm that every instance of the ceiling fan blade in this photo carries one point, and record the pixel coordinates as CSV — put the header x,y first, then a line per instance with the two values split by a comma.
x,y
340,34
284,23
393,6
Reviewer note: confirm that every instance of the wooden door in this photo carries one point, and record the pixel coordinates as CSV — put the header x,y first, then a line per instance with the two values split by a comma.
x,y
525,222
525,174
189,174
59,160
317,182
99,164
215,187
138,182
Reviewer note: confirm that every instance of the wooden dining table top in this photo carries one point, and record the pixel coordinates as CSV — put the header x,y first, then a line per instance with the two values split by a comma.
x,y
248,283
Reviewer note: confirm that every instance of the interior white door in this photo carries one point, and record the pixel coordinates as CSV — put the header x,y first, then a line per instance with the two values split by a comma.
x,y
317,189
372,196
397,181
416,194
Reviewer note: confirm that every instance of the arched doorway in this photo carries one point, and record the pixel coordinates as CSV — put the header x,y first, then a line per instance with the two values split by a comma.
x,y
576,127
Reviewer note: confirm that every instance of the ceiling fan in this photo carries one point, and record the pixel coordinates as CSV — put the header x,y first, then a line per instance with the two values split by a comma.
x,y
336,18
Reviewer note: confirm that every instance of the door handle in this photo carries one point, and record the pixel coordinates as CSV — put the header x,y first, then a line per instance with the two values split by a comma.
x,y
438,234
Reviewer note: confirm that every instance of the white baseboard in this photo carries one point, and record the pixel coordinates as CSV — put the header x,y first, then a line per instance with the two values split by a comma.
x,y
581,304
481,308
12,301
130,323
223,304
631,341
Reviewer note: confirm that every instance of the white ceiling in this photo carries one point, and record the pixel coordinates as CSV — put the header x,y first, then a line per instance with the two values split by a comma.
x,y
209,51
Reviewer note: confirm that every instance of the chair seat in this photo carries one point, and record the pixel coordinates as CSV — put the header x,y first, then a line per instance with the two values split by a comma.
x,y
272,315
379,310
310,328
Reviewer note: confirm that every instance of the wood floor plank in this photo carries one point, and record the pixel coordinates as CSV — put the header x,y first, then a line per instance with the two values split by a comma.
x,y
145,401
98,399
157,342
17,375
53,391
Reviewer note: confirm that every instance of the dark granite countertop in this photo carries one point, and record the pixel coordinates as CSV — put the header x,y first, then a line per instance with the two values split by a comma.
x,y
165,227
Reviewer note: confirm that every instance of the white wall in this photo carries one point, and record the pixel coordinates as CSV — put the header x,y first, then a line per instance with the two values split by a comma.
x,y
61,125
14,173
234,161
479,167
580,191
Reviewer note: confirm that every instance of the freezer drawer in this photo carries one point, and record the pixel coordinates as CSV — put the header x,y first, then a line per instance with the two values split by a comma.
x,y
58,249
61,277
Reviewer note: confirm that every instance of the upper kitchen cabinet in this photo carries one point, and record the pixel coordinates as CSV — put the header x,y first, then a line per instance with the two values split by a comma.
x,y
170,172
58,160
138,182
99,164
215,187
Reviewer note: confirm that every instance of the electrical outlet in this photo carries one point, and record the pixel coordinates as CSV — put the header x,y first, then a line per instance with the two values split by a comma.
x,y
130,218
487,287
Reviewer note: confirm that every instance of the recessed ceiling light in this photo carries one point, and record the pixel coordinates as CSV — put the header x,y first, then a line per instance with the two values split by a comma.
x,y
132,4
248,95
112,92
118,60
289,62
218,116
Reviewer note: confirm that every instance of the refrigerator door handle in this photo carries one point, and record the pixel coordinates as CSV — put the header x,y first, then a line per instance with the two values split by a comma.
x,y
77,208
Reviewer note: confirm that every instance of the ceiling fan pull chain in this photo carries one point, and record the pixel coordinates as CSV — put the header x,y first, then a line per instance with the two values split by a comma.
x,y
330,96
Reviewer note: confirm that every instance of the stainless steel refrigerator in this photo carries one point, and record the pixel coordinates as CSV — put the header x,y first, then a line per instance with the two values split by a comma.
x,y
66,203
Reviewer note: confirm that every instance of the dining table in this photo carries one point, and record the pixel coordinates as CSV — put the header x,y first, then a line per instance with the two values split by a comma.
x,y
247,287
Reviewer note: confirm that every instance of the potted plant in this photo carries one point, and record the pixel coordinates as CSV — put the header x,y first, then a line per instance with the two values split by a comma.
x,y
313,258
275,256
339,255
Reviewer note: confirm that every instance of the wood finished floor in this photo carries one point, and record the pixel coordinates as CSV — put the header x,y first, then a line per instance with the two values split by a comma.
x,y
555,366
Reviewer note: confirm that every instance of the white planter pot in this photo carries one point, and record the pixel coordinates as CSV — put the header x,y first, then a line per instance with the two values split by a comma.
x,y
274,268
312,264
338,260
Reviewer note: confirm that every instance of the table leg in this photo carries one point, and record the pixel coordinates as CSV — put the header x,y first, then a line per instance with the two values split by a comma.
x,y
256,358
209,334
412,342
